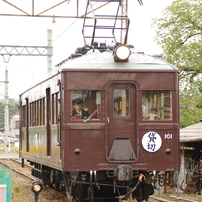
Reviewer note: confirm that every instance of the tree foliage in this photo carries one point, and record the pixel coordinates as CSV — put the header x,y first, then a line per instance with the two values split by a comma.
x,y
13,109
190,108
179,33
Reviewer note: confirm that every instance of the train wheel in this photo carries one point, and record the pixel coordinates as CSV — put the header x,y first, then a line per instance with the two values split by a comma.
x,y
78,193
82,193
55,178
47,180
139,194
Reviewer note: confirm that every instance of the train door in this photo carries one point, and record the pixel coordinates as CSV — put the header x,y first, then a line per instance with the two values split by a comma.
x,y
27,124
59,125
121,139
48,121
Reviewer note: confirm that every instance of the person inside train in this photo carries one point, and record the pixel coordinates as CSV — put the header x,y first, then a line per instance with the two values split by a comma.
x,y
154,114
78,113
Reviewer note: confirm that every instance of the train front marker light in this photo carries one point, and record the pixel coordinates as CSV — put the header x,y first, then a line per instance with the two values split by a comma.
x,y
122,53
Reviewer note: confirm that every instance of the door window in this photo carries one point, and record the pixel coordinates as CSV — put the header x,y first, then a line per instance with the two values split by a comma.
x,y
121,102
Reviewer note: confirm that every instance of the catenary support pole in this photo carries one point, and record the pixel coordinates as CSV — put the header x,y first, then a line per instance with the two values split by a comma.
x,y
6,121
11,50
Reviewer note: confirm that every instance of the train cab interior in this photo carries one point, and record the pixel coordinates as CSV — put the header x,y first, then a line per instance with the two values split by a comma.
x,y
85,105
156,104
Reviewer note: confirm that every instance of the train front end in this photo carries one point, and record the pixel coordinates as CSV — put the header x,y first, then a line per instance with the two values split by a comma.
x,y
119,123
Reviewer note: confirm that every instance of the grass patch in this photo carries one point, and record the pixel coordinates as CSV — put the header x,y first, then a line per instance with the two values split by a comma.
x,y
16,195
12,148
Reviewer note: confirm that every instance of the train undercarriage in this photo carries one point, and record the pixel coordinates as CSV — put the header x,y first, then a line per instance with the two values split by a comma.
x,y
121,184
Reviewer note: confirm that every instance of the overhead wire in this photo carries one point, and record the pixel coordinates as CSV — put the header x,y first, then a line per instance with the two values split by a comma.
x,y
50,26
34,57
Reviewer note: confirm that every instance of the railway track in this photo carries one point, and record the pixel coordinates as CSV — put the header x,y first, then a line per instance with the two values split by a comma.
x,y
26,173
172,198
15,165
24,178
157,199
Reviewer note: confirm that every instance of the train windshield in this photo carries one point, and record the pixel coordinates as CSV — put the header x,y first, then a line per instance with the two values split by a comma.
x,y
85,105
156,105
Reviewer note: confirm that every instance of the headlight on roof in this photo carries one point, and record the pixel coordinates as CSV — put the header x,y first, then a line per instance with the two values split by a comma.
x,y
121,53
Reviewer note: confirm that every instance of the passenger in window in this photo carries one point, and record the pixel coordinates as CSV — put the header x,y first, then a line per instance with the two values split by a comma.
x,y
153,115
78,113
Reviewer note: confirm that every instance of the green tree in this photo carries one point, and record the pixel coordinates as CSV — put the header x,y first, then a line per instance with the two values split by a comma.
x,y
190,108
13,109
179,33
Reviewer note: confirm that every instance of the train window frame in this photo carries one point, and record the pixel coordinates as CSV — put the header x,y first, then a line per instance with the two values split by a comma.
x,y
159,107
38,112
55,108
41,112
24,115
114,107
33,114
92,105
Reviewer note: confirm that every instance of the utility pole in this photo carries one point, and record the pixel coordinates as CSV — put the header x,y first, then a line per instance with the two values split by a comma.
x,y
11,50
6,121
6,110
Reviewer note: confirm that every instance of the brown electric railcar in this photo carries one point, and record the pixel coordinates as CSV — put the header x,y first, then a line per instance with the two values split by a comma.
x,y
125,126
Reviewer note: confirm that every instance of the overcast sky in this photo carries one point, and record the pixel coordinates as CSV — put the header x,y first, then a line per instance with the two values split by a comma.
x,y
66,35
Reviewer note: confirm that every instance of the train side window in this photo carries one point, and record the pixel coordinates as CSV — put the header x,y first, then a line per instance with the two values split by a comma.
x,y
41,114
55,108
33,114
121,102
24,116
156,105
38,112
85,105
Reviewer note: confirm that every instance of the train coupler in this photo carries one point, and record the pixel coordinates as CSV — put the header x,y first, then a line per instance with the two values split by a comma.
x,y
123,173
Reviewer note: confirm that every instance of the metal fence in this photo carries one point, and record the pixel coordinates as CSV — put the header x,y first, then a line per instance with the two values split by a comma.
x,y
6,179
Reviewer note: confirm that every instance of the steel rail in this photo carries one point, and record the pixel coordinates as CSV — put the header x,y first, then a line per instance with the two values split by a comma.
x,y
184,199
17,171
20,162
175,197
159,199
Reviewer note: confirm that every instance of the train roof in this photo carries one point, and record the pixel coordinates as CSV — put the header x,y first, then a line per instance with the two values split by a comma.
x,y
94,59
